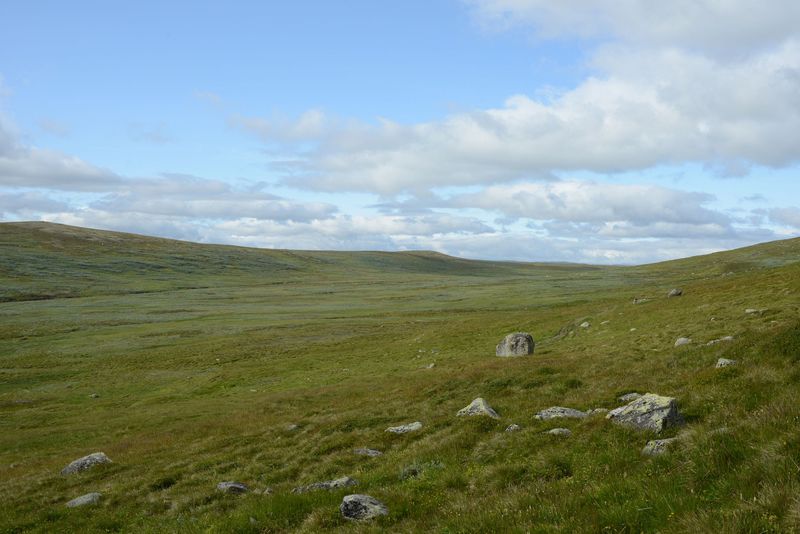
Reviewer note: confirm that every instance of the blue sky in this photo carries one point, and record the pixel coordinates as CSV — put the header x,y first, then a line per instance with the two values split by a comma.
x,y
598,131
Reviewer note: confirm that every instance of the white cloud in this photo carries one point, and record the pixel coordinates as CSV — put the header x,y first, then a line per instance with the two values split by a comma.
x,y
786,216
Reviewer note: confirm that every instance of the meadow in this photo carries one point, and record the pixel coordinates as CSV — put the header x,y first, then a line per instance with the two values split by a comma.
x,y
189,364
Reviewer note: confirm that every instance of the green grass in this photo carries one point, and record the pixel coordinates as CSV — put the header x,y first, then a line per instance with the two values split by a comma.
x,y
203,355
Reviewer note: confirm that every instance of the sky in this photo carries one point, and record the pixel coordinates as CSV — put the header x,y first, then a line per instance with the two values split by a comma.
x,y
597,131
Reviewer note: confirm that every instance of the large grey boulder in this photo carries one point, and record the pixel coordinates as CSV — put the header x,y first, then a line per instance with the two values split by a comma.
x,y
556,412
87,462
362,507
84,500
478,407
232,487
404,429
648,412
657,447
516,344
338,483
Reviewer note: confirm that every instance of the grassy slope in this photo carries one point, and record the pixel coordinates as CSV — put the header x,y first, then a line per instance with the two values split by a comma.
x,y
200,374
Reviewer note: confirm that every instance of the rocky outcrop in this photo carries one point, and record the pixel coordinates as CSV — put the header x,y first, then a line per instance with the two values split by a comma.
x,y
648,412
87,462
362,507
478,407
516,344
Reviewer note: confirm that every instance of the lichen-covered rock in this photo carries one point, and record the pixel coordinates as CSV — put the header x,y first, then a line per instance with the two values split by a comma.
x,y
362,507
556,412
628,397
87,462
478,407
338,483
232,487
675,292
367,452
513,427
648,412
404,429
725,362
83,500
563,432
516,344
657,447
682,341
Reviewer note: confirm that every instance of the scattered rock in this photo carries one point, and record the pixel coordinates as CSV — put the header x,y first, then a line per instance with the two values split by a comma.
x,y
513,427
94,396
372,453
720,340
648,412
232,487
83,500
516,344
725,362
338,483
585,324
403,429
556,412
628,397
657,447
595,411
639,300
675,292
478,407
87,462
362,507
682,341
565,432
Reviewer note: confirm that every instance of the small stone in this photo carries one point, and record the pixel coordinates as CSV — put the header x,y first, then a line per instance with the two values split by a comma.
x,y
720,340
338,483
682,341
372,453
403,429
725,362
478,406
641,300
752,311
585,324
563,432
362,507
648,412
556,412
84,500
232,487
87,462
675,292
292,427
657,447
633,329
628,397
94,396
513,427
430,366
516,344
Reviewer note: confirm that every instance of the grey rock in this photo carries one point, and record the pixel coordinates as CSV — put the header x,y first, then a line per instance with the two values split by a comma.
x,y
648,412
657,447
516,344
640,300
628,397
720,340
87,462
362,507
430,366
291,427
725,362
372,453
338,483
585,324
682,341
556,412
232,487
675,292
478,407
754,311
84,500
94,396
596,411
564,432
513,427
404,429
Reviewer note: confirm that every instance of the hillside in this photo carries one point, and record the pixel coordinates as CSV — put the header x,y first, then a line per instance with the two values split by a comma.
x,y
190,364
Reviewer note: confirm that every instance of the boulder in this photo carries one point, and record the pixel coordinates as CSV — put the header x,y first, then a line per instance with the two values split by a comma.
x,y
513,427
628,397
478,407
367,452
682,341
404,429
338,483
232,487
648,412
556,412
725,362
564,432
87,462
517,344
657,447
83,500
362,507
675,292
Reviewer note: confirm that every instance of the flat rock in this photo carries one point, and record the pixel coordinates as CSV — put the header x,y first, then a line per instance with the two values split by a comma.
x,y
513,427
628,397
84,500
648,412
516,344
564,432
657,447
725,362
478,407
87,462
362,507
337,483
404,429
675,292
367,452
682,341
556,412
232,487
